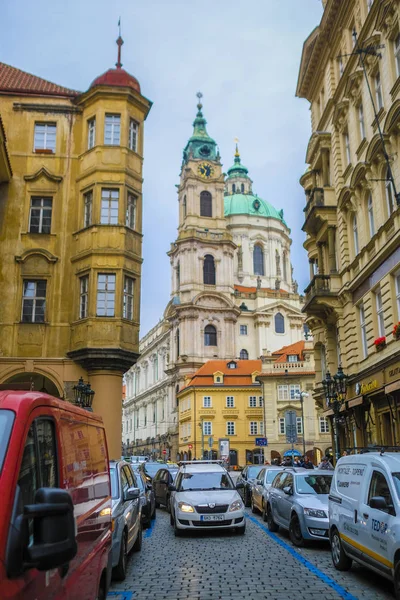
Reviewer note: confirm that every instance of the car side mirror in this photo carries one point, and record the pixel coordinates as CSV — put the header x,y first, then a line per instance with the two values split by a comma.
x,y
131,493
288,490
171,488
378,502
259,482
53,527
239,485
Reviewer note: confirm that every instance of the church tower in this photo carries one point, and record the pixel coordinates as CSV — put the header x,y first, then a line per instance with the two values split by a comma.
x,y
202,309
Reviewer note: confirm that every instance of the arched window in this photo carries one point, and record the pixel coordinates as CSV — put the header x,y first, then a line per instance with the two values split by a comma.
x,y
184,206
242,188
205,204
258,260
244,355
355,235
279,323
210,336
233,188
371,221
178,349
389,193
209,270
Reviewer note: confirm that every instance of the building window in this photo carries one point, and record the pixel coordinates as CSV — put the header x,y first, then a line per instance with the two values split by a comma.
x,y
397,54
293,358
355,236
84,297
380,314
207,428
361,121
282,426
261,427
230,402
40,215
299,425
283,392
232,365
347,147
258,260
105,295
91,133
210,336
206,401
252,401
323,425
243,329
112,130
378,91
128,298
397,285
178,344
371,216
260,401
244,355
242,188
184,205
88,208
363,327
230,428
133,135
253,427
34,301
279,323
131,212
45,137
205,204
209,270
233,188
389,193
109,207
294,391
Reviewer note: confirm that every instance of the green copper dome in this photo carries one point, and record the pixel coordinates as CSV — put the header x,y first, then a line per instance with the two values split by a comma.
x,y
200,145
237,170
250,204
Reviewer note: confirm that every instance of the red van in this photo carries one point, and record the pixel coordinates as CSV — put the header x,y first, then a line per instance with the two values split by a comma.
x,y
55,515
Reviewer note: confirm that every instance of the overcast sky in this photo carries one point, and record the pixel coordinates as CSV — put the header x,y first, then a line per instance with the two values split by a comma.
x,y
244,57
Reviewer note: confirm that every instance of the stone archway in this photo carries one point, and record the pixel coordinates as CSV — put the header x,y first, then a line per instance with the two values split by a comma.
x,y
34,381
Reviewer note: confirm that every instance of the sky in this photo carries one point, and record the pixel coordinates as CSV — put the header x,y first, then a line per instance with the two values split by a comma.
x,y
243,56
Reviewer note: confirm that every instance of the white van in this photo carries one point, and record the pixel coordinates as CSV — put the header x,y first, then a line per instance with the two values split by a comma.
x,y
364,513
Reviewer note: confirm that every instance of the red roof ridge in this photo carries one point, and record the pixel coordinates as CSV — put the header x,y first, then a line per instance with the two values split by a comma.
x,y
16,80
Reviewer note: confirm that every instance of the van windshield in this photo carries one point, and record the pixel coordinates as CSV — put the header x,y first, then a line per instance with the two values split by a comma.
x,y
6,423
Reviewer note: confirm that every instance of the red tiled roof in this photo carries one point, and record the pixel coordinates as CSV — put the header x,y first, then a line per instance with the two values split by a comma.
x,y
283,353
239,376
117,77
17,81
252,290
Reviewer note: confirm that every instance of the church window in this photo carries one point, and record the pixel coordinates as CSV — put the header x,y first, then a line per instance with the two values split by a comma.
x,y
205,204
209,270
233,188
184,206
210,336
258,260
279,323
242,188
244,355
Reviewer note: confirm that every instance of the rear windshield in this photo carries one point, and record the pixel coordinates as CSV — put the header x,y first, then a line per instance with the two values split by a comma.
x,y
252,472
271,474
6,423
114,483
152,469
313,484
204,481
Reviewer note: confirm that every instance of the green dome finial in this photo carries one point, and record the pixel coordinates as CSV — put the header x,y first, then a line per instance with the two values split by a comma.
x,y
237,170
200,145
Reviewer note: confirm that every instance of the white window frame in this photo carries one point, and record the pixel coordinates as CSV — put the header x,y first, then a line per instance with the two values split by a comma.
x,y
230,428
47,132
230,402
397,289
34,299
361,121
294,389
283,392
371,220
107,291
253,427
129,297
363,328
378,91
131,211
380,315
91,125
109,206
112,129
133,135
324,425
282,426
207,403
87,208
261,427
43,211
252,401
84,297
299,425
207,427
243,330
293,358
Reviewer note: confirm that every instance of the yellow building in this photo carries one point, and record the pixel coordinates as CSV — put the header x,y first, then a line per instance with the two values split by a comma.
x,y
352,219
71,235
224,400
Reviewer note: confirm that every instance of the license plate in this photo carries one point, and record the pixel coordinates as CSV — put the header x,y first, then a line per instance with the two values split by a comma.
x,y
212,518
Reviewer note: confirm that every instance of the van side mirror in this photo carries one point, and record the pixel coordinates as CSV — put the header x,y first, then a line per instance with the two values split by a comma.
x,y
131,493
53,527
378,502
239,485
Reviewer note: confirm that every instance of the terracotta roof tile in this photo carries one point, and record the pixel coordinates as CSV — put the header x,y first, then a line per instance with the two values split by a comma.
x,y
239,376
283,353
15,80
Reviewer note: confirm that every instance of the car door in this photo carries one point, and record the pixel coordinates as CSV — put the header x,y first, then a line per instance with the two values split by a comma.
x,y
286,500
275,494
163,486
131,507
156,484
258,489
242,479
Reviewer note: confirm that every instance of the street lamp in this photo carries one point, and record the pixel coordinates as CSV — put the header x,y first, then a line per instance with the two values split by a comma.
x,y
335,389
300,396
201,424
83,394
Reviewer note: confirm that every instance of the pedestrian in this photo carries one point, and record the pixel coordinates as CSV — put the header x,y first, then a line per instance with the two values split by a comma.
x,y
345,453
307,464
325,464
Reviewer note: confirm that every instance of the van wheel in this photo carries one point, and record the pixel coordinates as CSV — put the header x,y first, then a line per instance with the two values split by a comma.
x,y
340,560
120,570
396,580
296,537
137,546
272,526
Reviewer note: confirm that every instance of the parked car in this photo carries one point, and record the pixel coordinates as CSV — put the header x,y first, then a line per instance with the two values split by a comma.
x,y
138,459
161,482
204,496
55,496
150,468
147,498
248,477
298,501
126,516
261,487
364,509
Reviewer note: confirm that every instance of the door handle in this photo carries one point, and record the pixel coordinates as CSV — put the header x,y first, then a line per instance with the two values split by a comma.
x,y
365,515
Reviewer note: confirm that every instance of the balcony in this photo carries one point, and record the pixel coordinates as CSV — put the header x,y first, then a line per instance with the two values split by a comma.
x,y
321,206
319,294
286,368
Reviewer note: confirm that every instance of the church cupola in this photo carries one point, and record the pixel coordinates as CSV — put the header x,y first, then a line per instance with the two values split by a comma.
x,y
238,180
200,146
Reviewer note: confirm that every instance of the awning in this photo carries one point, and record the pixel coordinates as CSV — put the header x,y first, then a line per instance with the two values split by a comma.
x,y
355,401
392,387
292,453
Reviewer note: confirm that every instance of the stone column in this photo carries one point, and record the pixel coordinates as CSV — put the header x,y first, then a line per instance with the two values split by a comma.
x,y
311,263
321,268
107,402
331,249
325,168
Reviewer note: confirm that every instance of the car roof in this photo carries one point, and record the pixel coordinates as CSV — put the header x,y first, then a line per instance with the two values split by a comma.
x,y
210,468
389,459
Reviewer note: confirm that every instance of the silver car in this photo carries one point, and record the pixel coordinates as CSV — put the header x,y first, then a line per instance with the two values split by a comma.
x,y
298,501
260,488
126,516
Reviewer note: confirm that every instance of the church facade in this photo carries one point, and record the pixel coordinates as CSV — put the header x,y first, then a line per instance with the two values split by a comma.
x,y
232,292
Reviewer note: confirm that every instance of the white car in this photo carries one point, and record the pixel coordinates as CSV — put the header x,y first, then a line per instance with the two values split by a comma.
x,y
204,496
364,514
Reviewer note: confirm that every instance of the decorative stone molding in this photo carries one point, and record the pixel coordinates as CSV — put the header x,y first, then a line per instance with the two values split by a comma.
x,y
339,118
43,172
353,86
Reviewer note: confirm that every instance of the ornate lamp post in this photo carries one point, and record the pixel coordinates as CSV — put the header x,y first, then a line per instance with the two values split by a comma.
x,y
83,394
335,389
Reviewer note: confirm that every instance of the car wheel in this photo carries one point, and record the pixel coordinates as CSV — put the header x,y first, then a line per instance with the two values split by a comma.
x,y
340,560
177,532
396,580
157,504
119,572
171,519
264,512
241,530
272,526
137,546
296,536
153,516
168,504
253,507
146,522
247,499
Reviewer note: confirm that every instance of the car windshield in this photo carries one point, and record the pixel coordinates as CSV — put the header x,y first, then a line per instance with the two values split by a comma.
x,y
313,484
152,469
271,474
114,483
6,423
252,472
205,481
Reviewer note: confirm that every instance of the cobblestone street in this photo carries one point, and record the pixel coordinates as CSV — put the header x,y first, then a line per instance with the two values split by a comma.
x,y
218,566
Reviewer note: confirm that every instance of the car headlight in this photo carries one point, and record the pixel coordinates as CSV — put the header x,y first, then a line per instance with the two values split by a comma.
x,y
314,512
183,507
236,505
105,512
